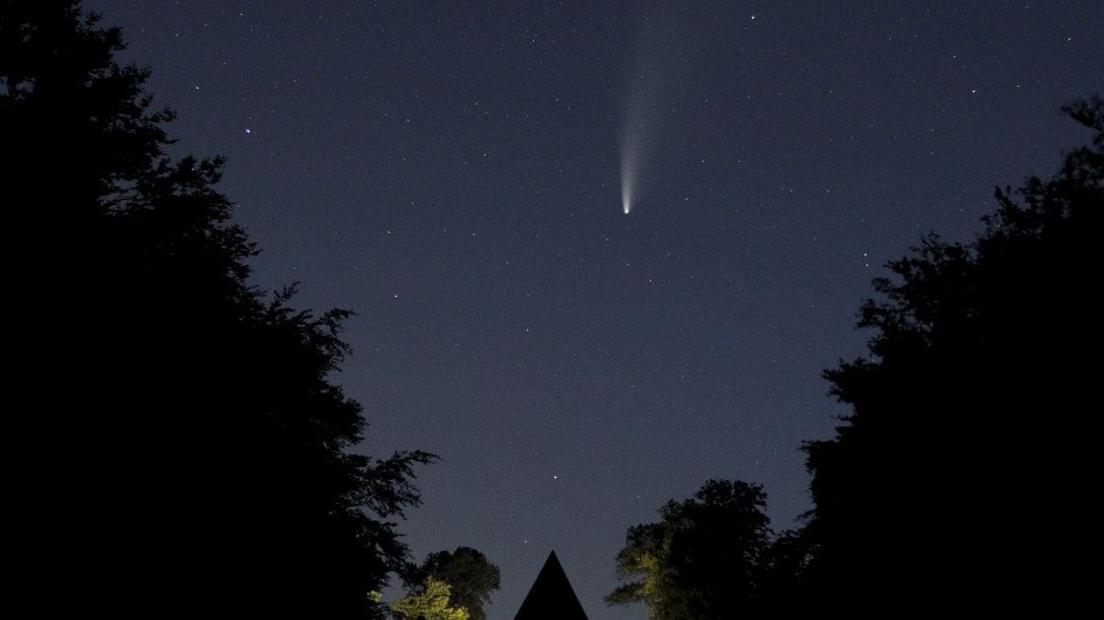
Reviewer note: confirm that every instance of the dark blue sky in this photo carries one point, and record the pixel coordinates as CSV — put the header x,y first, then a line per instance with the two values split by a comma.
x,y
451,171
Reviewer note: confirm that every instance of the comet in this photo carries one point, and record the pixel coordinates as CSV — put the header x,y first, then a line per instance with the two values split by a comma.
x,y
628,178
633,142
656,65
645,96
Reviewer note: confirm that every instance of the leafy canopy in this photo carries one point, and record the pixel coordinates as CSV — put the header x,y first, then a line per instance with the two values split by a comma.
x,y
429,602
702,559
186,437
968,445
470,575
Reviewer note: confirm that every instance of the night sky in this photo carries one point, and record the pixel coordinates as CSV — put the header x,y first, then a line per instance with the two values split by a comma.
x,y
452,171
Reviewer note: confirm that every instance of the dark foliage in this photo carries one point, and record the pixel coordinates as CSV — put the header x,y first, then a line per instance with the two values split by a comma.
x,y
184,449
470,575
703,559
965,469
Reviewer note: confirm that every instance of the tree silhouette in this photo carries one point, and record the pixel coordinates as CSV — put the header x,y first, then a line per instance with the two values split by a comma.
x,y
703,560
184,447
966,459
470,575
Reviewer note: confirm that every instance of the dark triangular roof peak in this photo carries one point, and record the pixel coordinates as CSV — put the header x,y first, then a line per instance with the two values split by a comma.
x,y
551,597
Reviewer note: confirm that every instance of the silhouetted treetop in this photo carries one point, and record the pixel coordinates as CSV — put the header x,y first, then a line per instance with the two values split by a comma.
x,y
970,401
472,578
63,88
193,449
703,559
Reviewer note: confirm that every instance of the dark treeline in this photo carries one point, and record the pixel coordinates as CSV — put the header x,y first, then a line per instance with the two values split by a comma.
x,y
181,449
962,478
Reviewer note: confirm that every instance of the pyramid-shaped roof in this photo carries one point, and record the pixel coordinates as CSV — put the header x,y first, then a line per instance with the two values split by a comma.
x,y
551,597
